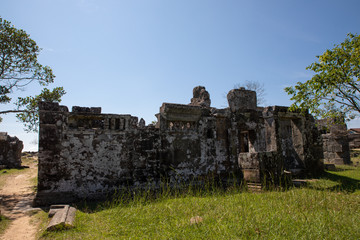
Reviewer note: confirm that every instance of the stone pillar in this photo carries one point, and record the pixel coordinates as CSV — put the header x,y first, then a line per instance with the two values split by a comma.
x,y
52,118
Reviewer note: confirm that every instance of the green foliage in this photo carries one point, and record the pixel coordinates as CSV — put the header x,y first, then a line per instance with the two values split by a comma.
x,y
334,90
30,117
18,68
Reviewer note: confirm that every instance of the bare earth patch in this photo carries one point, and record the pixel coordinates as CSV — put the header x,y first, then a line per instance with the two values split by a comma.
x,y
17,196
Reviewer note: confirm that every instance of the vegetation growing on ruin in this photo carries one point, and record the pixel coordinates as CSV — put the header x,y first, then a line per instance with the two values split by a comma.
x,y
327,208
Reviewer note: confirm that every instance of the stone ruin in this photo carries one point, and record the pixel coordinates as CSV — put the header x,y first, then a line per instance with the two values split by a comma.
x,y
354,138
336,146
10,151
87,154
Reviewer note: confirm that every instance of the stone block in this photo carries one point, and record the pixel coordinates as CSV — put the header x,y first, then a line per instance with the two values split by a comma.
x,y
241,99
252,175
62,217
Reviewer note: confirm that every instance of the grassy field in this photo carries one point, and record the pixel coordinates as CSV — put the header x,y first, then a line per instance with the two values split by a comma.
x,y
328,208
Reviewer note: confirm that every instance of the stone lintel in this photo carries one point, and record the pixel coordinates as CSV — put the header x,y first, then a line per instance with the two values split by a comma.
x,y
180,112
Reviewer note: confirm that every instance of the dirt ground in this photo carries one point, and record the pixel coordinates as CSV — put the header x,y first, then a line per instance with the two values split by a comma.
x,y
17,195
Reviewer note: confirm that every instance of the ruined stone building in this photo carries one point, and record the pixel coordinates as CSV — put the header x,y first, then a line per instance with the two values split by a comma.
x,y
10,151
335,138
87,154
354,138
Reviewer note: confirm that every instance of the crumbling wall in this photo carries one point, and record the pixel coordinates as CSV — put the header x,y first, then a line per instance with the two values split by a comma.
x,y
10,151
286,141
87,154
354,140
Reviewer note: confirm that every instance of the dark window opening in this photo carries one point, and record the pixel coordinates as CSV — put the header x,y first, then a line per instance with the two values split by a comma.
x,y
244,142
210,133
117,124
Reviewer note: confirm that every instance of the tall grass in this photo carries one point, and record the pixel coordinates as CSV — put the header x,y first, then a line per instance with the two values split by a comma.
x,y
328,208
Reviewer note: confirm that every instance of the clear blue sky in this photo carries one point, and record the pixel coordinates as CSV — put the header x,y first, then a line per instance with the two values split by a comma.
x,y
129,57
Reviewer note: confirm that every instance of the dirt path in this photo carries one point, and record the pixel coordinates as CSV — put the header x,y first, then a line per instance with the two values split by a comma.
x,y
17,196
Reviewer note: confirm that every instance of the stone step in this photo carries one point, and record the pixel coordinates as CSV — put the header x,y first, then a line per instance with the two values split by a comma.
x,y
254,187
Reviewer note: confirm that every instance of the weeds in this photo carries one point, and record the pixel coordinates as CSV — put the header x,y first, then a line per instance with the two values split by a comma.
x,y
328,208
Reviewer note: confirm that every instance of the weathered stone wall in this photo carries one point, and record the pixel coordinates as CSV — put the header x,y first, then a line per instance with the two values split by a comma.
x,y
285,141
354,140
10,151
335,142
86,154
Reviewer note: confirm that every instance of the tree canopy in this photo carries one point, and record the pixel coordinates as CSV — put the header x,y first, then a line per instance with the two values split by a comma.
x,y
19,67
334,89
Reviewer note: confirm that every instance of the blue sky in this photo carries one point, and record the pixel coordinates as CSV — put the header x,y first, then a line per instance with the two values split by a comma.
x,y
129,57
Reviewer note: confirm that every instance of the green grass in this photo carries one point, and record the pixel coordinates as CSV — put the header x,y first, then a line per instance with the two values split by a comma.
x,y
4,223
355,156
328,208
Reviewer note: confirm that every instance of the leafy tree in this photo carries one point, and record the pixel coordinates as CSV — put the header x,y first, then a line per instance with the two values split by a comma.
x,y
334,90
18,68
254,86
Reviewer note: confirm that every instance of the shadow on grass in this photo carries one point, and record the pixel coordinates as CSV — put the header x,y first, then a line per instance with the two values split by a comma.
x,y
339,183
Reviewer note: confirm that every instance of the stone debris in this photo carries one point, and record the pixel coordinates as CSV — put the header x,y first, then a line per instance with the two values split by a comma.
x,y
196,220
10,151
62,217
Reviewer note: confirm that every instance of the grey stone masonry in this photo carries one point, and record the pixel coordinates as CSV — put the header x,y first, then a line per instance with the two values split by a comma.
x,y
10,151
335,141
86,154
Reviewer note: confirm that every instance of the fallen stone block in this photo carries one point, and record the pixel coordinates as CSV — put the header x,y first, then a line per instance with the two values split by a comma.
x,y
63,217
54,209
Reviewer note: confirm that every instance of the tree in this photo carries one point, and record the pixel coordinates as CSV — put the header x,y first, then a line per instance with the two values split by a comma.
x,y
18,68
334,89
254,86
